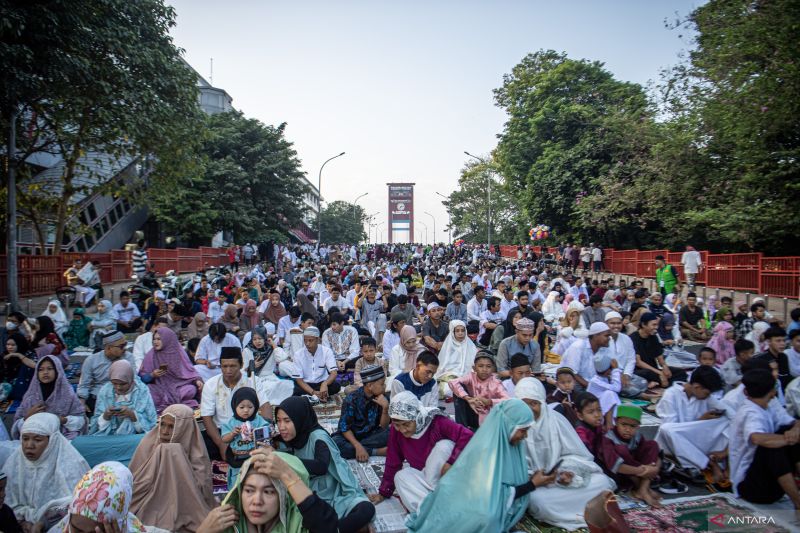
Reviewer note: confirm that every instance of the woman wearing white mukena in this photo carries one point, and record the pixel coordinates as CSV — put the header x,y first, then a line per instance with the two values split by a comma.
x,y
552,442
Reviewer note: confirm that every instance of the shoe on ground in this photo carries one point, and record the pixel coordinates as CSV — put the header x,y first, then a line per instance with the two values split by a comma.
x,y
673,487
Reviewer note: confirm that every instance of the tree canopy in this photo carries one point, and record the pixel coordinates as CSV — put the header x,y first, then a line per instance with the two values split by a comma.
x,y
342,222
711,156
468,204
93,76
249,183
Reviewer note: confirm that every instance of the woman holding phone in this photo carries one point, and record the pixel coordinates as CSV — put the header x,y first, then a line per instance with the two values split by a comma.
x,y
553,446
168,372
124,405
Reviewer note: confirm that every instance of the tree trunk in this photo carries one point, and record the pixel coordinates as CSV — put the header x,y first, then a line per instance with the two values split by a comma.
x,y
67,191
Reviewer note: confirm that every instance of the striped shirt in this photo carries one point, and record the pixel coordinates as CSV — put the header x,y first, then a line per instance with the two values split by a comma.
x,y
139,261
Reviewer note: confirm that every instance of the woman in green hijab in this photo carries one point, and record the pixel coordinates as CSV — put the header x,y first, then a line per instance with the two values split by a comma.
x,y
271,495
486,489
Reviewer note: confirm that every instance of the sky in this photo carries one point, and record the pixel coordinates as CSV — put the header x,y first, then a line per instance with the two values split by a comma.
x,y
405,87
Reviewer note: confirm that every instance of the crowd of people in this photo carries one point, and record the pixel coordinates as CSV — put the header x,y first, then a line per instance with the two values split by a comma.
x,y
541,359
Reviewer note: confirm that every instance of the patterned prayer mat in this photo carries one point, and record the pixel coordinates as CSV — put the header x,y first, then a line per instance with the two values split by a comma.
x,y
369,474
390,515
219,476
328,413
529,524
702,513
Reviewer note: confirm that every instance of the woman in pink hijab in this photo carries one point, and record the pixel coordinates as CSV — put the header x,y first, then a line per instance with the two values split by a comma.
x,y
168,372
722,342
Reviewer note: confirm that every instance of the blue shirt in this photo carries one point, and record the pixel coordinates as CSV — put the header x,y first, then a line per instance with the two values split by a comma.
x,y
360,414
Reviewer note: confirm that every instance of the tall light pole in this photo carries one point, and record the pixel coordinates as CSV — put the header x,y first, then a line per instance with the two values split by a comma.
x,y
354,208
356,201
488,201
434,227
319,202
426,230
449,229
378,225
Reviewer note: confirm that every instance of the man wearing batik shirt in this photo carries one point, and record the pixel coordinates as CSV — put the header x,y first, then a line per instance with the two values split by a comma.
x,y
364,423
343,342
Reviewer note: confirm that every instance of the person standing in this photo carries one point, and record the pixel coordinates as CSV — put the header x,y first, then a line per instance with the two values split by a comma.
x,y
597,258
666,276
139,259
692,264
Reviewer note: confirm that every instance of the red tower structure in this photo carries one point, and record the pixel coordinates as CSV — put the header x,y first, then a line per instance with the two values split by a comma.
x,y
401,212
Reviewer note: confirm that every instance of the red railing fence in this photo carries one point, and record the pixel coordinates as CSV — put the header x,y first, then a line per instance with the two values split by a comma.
x,y
43,274
750,272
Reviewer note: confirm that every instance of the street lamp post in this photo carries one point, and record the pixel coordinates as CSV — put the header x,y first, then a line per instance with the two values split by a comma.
x,y
378,225
434,227
449,221
356,201
488,202
319,201
426,230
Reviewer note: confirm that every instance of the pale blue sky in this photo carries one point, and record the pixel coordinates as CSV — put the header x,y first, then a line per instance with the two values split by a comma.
x,y
405,87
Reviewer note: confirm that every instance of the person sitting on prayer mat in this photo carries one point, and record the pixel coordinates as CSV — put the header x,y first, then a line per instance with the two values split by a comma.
x,y
428,440
477,392
420,380
553,443
364,422
764,445
695,424
315,367
504,481
330,476
616,463
520,367
172,486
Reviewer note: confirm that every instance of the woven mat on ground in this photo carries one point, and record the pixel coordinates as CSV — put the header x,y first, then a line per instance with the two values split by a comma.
x,y
390,515
328,413
701,513
219,476
529,524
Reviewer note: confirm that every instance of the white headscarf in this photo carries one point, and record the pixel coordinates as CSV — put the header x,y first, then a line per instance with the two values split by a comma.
x,y
552,309
758,329
456,358
552,437
406,406
575,304
32,484
58,317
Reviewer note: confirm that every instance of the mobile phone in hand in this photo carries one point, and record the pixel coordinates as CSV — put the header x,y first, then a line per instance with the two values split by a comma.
x,y
555,467
162,367
261,436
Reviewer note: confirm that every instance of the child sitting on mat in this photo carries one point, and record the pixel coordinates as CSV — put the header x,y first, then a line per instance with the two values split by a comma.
x,y
477,392
619,463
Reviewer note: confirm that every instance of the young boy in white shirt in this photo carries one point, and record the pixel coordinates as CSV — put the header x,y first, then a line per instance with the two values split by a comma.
x,y
764,449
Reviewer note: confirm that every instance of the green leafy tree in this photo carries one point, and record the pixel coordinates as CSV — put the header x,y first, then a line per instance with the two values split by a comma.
x,y
120,88
342,222
249,183
565,118
736,102
468,207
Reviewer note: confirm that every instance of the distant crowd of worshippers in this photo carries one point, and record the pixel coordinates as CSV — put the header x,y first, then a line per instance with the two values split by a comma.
x,y
539,365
